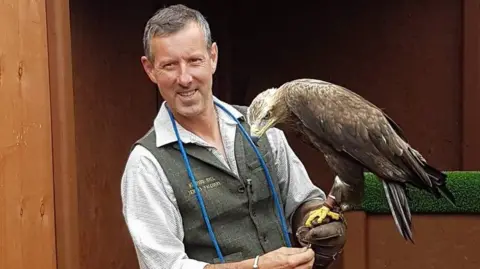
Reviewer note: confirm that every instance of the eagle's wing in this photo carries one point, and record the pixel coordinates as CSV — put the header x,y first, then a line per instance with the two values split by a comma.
x,y
348,187
352,125
355,128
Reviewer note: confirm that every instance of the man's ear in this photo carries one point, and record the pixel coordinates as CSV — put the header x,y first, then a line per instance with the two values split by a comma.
x,y
214,56
149,68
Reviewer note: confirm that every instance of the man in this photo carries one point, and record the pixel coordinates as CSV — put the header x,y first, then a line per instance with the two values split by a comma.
x,y
160,203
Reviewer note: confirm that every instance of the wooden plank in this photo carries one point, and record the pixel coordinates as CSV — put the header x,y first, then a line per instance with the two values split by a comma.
x,y
63,134
355,253
27,235
441,242
471,85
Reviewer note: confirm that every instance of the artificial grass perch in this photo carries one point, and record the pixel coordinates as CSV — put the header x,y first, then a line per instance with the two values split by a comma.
x,y
464,185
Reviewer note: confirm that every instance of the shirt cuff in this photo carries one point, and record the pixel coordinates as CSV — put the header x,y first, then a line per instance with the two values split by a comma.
x,y
192,264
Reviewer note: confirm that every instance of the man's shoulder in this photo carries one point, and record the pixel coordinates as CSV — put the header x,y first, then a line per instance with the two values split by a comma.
x,y
140,156
241,108
145,150
147,140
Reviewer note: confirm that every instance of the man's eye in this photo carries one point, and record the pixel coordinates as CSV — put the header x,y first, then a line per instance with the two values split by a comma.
x,y
168,66
196,60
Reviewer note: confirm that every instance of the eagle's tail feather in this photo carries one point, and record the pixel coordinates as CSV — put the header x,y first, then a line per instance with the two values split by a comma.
x,y
434,180
417,164
397,201
440,183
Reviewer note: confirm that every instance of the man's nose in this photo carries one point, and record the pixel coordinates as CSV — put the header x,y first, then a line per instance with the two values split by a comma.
x,y
185,78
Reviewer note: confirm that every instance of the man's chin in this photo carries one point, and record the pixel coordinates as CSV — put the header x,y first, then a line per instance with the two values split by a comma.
x,y
190,110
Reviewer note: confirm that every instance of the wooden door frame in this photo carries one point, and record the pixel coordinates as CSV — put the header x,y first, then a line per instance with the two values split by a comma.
x,y
471,85
63,134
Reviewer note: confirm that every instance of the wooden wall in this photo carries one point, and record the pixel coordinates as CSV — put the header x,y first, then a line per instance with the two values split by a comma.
x,y
74,97
27,219
114,105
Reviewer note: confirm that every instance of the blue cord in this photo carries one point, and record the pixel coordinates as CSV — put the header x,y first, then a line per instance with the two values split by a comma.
x,y
199,196
197,191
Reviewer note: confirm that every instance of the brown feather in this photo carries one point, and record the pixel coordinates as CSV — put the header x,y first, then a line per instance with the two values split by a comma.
x,y
345,121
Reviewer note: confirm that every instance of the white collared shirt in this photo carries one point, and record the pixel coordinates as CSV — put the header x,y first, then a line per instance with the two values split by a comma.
x,y
149,205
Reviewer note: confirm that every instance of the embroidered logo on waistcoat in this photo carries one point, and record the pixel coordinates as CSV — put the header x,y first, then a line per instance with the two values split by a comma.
x,y
205,184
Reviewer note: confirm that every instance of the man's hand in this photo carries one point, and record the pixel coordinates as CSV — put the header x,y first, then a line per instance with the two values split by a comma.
x,y
327,239
282,258
287,258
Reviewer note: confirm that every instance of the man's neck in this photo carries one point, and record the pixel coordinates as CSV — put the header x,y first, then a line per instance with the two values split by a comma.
x,y
204,125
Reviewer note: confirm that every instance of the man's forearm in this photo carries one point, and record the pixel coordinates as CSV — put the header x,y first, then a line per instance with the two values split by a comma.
x,y
246,264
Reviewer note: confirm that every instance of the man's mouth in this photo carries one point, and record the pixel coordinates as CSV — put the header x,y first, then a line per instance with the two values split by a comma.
x,y
187,93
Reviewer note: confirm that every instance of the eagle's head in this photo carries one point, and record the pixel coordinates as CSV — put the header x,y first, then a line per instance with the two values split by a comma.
x,y
266,110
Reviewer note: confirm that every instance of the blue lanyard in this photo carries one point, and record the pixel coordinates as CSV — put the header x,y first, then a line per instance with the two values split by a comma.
x,y
199,196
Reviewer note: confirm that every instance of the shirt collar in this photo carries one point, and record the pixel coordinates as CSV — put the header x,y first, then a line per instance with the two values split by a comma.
x,y
164,129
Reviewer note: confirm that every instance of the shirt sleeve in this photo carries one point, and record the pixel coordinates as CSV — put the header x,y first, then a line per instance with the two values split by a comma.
x,y
152,216
295,184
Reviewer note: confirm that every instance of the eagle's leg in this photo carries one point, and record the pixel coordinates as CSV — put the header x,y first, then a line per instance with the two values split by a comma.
x,y
317,216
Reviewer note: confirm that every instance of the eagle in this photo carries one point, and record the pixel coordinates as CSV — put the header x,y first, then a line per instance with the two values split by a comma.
x,y
354,136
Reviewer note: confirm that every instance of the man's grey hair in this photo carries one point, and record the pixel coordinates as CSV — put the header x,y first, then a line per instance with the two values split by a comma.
x,y
171,19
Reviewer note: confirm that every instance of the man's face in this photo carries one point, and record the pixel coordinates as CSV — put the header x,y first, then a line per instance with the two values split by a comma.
x,y
183,70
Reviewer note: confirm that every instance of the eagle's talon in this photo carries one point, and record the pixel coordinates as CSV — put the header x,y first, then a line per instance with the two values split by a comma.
x,y
319,215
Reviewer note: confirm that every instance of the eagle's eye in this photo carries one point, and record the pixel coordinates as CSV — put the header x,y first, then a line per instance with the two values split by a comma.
x,y
267,115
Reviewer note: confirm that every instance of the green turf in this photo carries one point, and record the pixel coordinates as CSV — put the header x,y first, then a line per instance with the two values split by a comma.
x,y
465,186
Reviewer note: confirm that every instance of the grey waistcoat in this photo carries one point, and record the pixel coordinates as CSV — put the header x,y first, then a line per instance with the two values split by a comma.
x,y
241,209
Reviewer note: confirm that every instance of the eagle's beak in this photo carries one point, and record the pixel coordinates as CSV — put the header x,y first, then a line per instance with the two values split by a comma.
x,y
256,132
255,140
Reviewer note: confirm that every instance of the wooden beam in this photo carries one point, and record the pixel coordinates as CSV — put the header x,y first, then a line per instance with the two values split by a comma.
x,y
63,134
27,219
471,85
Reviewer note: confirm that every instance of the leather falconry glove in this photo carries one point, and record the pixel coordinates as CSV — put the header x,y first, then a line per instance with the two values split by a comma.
x,y
327,239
